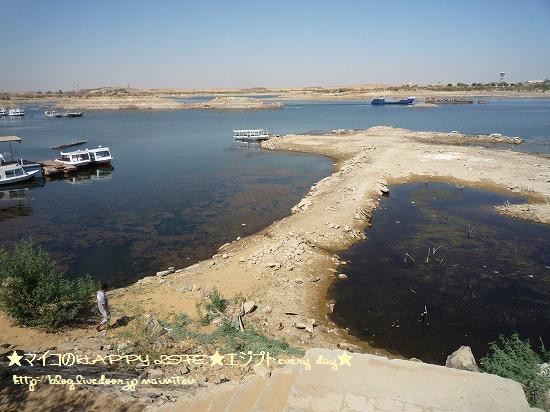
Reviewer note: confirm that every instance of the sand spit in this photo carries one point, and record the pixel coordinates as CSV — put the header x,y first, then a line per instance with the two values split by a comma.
x,y
161,103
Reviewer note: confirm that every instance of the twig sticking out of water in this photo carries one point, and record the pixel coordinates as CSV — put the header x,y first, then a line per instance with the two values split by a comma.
x,y
435,249
470,229
458,187
428,255
410,257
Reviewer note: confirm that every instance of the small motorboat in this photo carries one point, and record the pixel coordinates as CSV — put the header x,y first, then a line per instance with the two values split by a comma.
x,y
3,111
14,172
52,113
16,112
101,155
78,158
73,114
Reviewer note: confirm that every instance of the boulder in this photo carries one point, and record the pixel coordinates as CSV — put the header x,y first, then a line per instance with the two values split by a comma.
x,y
348,347
462,358
249,307
342,276
168,271
153,326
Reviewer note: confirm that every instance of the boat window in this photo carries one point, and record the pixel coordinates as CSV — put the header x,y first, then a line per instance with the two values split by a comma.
x,y
104,153
18,172
10,173
65,158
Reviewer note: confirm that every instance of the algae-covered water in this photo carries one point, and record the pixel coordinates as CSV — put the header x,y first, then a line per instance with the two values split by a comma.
x,y
489,274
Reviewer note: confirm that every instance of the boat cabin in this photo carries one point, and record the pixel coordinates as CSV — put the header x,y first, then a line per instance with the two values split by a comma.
x,y
77,158
101,155
252,135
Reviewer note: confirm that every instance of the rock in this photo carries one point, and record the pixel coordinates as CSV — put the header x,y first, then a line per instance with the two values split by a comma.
x,y
311,323
274,265
267,309
291,312
315,279
125,348
462,358
225,256
300,325
249,307
342,276
348,347
153,326
168,271
298,280
154,373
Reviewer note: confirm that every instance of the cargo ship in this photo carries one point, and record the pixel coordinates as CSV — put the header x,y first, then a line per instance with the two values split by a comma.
x,y
382,100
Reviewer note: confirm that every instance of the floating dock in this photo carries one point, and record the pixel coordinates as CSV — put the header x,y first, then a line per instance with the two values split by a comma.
x,y
52,168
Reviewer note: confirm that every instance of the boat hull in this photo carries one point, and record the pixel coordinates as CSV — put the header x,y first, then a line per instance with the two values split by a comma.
x,y
12,180
82,163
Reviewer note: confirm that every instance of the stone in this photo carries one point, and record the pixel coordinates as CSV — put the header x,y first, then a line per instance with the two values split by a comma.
x,y
249,307
348,347
462,358
342,276
315,279
154,373
298,280
153,326
225,256
125,348
267,309
166,272
274,265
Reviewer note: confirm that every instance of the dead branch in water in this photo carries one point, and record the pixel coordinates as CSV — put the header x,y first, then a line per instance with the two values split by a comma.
x,y
458,187
435,249
428,255
470,229
410,257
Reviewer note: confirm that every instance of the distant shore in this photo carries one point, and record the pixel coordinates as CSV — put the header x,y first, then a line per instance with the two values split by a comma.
x,y
242,99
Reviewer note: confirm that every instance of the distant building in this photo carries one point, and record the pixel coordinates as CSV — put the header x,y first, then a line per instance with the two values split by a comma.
x,y
535,81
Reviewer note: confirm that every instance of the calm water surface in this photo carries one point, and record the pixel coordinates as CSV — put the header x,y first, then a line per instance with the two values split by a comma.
x,y
475,287
180,188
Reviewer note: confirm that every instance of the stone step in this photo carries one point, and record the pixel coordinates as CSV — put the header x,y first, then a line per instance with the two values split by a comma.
x,y
245,397
274,395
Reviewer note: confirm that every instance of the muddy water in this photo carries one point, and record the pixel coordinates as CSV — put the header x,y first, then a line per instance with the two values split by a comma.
x,y
489,275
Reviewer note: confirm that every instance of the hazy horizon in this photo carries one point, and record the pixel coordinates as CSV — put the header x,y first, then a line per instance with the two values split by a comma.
x,y
190,45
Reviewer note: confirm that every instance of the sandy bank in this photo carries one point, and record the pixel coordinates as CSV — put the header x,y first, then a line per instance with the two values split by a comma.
x,y
161,103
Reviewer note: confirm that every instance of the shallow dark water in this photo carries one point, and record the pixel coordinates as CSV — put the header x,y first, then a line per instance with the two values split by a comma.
x,y
180,188
495,281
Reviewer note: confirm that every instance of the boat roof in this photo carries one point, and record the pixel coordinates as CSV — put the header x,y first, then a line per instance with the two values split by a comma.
x,y
248,130
98,148
10,139
75,152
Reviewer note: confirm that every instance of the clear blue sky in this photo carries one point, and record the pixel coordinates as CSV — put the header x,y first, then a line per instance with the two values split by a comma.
x,y
59,44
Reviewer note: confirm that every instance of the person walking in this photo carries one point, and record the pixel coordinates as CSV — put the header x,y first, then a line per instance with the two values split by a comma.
x,y
103,305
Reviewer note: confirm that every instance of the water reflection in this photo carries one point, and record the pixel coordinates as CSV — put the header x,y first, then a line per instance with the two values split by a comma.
x,y
87,175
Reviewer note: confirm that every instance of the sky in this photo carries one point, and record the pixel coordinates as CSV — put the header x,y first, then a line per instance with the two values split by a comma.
x,y
59,44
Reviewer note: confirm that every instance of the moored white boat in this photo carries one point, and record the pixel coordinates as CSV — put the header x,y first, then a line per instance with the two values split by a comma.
x,y
14,173
52,113
77,158
100,155
3,111
16,112
251,135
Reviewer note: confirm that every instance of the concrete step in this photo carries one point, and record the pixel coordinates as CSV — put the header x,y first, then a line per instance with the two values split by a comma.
x,y
246,395
274,395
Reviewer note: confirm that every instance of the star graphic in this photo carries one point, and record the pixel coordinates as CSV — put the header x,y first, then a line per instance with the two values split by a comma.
x,y
15,359
344,359
216,359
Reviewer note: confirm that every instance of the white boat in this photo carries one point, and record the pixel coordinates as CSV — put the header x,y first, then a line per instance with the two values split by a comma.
x,y
250,135
17,112
3,111
14,173
101,155
77,158
52,113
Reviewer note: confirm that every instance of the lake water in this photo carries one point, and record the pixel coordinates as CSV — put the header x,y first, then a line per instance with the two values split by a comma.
x,y
494,281
180,188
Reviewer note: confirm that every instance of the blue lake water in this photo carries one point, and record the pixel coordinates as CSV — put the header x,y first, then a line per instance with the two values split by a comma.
x,y
180,188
